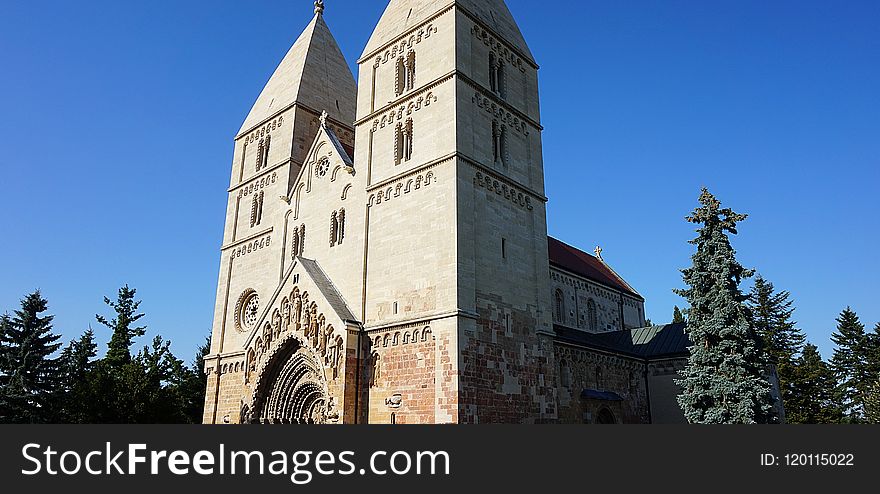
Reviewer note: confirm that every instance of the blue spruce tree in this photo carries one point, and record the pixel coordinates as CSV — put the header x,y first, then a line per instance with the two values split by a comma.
x,y
724,381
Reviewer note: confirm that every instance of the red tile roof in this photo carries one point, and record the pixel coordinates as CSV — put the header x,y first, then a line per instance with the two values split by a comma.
x,y
579,262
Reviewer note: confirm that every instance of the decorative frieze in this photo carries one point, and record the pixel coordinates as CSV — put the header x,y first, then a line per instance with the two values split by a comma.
x,y
503,189
397,114
251,246
497,111
403,186
405,44
258,185
263,131
498,47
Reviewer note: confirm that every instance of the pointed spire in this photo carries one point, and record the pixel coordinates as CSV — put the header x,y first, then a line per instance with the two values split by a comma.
x,y
314,73
319,7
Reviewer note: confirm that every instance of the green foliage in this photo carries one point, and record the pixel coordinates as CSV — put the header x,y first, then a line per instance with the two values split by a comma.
x,y
724,380
853,363
30,375
812,396
125,307
781,339
77,363
152,386
872,404
677,316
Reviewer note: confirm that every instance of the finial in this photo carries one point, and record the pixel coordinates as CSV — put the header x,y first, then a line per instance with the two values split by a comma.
x,y
598,252
319,7
324,118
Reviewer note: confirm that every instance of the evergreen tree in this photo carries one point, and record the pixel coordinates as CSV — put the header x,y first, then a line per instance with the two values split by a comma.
x,y
851,364
5,331
772,318
77,365
872,404
195,384
31,376
724,380
811,400
677,316
872,352
781,338
125,307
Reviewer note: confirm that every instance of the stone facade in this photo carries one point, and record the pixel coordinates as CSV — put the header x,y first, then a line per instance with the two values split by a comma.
x,y
385,255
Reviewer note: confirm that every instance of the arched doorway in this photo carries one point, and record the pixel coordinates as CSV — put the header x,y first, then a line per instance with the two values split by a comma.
x,y
291,389
605,417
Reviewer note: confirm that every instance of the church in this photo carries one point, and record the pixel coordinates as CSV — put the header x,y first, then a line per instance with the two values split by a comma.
x,y
385,258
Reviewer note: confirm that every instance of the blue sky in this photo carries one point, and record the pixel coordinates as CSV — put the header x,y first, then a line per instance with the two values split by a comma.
x,y
117,119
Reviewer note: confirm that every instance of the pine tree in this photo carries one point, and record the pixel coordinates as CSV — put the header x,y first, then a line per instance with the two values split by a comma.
x,y
77,365
677,316
31,381
125,307
812,391
851,364
724,380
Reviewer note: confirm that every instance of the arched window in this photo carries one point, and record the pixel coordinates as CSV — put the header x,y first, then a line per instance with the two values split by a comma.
x,y
496,76
591,315
334,228
257,209
560,306
265,158
398,144
408,140
564,374
260,154
400,80
340,232
605,417
499,143
496,142
501,81
493,72
600,383
411,71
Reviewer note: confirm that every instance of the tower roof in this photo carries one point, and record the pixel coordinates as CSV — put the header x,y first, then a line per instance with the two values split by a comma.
x,y
402,15
314,73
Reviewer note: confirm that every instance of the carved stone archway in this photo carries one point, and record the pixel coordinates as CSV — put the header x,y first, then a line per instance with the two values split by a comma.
x,y
291,389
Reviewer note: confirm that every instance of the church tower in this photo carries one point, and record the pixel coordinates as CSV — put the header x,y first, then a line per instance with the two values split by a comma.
x,y
448,135
259,250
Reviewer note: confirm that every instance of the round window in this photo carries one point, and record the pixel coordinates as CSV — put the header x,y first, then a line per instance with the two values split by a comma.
x,y
322,167
248,311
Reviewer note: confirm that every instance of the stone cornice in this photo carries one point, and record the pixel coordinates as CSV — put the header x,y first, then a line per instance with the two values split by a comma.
x,y
500,176
247,239
615,291
406,97
309,109
425,319
262,173
499,101
410,172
